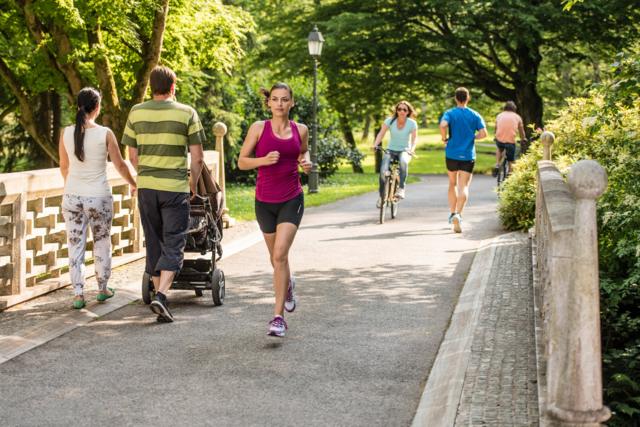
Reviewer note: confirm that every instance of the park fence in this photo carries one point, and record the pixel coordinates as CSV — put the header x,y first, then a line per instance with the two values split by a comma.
x,y
34,258
568,291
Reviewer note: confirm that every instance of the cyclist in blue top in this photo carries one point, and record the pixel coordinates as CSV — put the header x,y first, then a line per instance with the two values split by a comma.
x,y
465,126
404,133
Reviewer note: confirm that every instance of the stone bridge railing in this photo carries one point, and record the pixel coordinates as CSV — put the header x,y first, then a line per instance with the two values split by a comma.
x,y
33,243
567,274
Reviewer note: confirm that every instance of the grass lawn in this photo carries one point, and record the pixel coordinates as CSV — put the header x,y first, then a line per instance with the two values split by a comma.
x,y
344,183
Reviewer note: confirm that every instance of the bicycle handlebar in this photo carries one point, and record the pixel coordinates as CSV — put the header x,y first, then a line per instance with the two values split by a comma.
x,y
387,151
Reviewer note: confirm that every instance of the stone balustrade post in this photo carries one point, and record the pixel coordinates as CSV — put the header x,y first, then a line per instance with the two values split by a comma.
x,y
220,130
578,399
547,139
18,245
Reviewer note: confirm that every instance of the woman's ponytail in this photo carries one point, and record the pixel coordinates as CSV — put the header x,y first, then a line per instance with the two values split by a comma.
x,y
78,134
88,101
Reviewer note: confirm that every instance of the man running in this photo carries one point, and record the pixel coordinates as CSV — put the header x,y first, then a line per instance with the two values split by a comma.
x,y
465,126
159,134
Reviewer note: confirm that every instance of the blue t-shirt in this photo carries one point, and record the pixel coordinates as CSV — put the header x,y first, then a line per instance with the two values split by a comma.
x,y
463,125
399,140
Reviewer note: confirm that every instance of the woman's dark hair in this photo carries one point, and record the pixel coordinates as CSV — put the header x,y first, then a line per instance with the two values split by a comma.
x,y
88,101
410,113
267,93
510,106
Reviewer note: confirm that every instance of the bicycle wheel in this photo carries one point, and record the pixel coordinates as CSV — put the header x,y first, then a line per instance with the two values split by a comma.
x,y
394,200
502,171
384,199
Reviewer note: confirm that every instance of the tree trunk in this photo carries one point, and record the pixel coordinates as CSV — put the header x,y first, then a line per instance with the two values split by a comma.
x,y
28,113
151,49
378,153
528,100
366,128
112,116
347,132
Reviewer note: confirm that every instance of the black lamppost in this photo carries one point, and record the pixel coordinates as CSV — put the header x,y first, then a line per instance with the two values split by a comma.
x,y
315,49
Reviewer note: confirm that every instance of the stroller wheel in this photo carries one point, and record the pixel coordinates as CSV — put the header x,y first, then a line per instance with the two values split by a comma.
x,y
148,291
198,292
217,287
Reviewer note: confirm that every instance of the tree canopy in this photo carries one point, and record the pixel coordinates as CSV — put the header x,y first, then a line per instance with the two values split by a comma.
x,y
50,49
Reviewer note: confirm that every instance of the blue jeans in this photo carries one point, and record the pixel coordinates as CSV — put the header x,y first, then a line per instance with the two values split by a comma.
x,y
404,158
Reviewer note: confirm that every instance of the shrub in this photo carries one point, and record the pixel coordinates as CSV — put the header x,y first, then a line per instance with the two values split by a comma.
x,y
332,151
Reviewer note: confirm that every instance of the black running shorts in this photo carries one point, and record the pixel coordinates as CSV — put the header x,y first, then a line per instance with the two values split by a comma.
x,y
269,215
460,165
510,148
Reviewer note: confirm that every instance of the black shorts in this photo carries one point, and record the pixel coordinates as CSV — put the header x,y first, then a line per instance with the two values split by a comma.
x,y
460,165
269,215
510,149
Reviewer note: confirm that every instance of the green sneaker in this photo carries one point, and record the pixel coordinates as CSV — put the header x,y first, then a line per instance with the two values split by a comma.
x,y
79,303
103,297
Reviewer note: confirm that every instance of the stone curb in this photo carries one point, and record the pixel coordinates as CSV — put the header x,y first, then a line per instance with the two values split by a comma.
x,y
29,338
541,360
441,396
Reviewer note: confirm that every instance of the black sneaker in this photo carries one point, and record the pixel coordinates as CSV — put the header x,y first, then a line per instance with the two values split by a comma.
x,y
160,307
161,319
495,170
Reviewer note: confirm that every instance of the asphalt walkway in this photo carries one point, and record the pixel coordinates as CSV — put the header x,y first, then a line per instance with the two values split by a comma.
x,y
374,304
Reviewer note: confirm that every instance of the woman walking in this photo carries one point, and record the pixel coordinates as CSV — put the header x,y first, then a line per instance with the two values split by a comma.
x,y
404,133
276,148
87,200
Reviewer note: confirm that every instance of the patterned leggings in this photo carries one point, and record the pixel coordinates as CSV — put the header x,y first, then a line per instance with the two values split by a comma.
x,y
96,212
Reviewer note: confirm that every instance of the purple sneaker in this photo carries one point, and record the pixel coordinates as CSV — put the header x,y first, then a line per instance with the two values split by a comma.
x,y
277,327
291,300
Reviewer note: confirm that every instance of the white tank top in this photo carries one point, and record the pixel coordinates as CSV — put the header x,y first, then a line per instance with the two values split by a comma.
x,y
89,177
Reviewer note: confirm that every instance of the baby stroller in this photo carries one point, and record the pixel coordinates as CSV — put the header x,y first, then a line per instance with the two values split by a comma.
x,y
204,235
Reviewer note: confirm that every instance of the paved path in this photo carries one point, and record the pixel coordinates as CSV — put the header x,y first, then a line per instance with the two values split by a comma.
x,y
500,384
375,301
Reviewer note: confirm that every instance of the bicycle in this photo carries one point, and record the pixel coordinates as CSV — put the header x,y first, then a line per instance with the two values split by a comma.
x,y
504,167
391,184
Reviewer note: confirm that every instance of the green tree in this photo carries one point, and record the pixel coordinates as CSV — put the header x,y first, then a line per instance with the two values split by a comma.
x,y
50,49
495,46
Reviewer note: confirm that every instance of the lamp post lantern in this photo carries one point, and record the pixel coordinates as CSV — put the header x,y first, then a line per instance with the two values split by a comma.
x,y
315,49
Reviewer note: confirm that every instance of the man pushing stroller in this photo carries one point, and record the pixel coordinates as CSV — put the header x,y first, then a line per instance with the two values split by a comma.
x,y
159,133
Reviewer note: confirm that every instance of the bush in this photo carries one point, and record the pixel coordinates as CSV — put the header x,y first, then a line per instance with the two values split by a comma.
x,y
518,193
603,126
332,151
517,196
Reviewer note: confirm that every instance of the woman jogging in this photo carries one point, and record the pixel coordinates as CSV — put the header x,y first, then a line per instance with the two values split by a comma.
x,y
404,132
87,200
276,148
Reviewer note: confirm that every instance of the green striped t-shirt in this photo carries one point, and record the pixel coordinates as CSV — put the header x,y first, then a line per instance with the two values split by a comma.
x,y
162,132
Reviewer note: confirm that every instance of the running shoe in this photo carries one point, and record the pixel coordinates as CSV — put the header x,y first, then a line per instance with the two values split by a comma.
x,y
291,300
400,193
379,203
451,218
160,307
457,220
277,327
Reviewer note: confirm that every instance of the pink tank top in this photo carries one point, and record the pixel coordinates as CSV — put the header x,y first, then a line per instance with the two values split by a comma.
x,y
279,182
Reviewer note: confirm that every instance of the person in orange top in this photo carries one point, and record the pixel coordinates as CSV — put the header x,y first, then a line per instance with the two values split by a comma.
x,y
508,124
